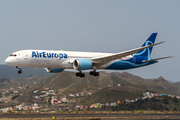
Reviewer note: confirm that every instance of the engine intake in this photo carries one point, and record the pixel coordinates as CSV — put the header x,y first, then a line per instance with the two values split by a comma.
x,y
82,64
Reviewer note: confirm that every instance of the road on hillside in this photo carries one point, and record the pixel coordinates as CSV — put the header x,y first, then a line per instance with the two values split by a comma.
x,y
58,109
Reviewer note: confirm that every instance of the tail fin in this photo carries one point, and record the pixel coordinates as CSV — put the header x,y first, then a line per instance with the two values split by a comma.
x,y
147,52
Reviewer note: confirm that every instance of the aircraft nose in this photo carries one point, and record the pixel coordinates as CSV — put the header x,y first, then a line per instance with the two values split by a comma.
x,y
7,61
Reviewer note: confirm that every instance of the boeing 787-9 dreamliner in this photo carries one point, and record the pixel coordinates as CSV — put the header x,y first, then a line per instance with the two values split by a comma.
x,y
57,61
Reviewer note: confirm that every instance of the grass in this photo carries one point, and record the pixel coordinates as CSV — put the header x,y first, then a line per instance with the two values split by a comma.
x,y
103,112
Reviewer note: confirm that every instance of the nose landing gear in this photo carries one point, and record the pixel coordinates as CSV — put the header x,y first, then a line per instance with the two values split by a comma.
x,y
19,71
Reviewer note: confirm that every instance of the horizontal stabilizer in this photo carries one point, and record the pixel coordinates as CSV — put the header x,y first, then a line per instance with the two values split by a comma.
x,y
158,59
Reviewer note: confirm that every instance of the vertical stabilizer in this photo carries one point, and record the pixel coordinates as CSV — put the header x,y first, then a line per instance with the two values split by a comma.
x,y
147,52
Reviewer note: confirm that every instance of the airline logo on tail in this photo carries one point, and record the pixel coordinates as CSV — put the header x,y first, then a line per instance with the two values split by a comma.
x,y
147,52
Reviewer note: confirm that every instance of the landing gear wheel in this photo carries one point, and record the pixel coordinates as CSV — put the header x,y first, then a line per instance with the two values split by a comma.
x,y
77,74
20,71
96,74
91,73
82,75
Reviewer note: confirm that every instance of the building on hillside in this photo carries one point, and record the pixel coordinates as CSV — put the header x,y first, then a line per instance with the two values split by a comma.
x,y
46,88
107,104
78,107
15,91
65,100
93,106
178,97
42,89
35,91
25,108
36,97
85,108
156,94
71,95
128,101
113,104
118,102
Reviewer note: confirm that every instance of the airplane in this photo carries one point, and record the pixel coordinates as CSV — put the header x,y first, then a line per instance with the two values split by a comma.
x,y
57,61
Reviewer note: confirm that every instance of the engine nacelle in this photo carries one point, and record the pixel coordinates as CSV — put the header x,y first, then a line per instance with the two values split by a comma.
x,y
54,70
82,64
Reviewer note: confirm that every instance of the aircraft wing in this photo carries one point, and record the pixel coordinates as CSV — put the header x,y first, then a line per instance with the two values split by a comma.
x,y
105,59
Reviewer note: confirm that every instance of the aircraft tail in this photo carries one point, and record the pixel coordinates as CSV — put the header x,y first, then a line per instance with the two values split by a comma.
x,y
147,52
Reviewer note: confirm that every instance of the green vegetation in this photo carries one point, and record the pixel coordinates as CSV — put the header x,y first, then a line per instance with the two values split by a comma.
x,y
155,103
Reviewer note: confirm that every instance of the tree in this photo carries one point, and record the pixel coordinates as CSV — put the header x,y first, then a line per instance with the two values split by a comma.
x,y
165,101
175,99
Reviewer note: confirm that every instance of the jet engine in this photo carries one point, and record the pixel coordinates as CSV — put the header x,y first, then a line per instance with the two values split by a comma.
x,y
82,64
54,70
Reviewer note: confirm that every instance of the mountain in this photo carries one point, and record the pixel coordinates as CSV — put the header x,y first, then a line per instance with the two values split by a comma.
x,y
170,81
112,95
6,84
166,85
73,84
10,72
177,83
127,75
105,88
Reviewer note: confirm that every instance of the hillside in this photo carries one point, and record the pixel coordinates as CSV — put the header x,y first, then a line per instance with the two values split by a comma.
x,y
104,87
6,84
112,95
10,72
146,84
3,82
166,85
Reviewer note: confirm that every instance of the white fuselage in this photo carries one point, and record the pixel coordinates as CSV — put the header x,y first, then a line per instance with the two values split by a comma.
x,y
50,58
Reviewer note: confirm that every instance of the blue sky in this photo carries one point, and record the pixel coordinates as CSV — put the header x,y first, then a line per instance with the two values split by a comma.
x,y
96,26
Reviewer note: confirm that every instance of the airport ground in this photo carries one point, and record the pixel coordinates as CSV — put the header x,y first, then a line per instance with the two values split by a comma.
x,y
169,116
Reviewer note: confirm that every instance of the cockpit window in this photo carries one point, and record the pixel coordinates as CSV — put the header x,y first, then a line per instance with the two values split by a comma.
x,y
13,55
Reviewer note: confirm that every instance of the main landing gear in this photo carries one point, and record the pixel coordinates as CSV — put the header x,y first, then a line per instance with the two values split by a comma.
x,y
19,71
94,73
80,74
